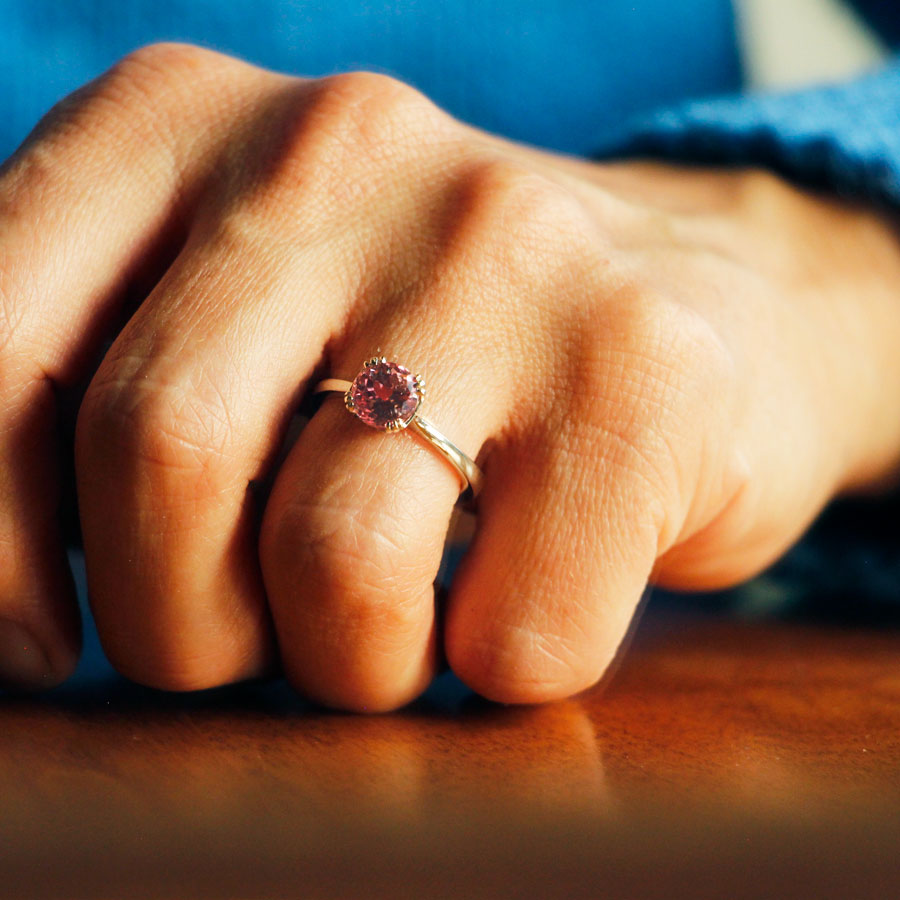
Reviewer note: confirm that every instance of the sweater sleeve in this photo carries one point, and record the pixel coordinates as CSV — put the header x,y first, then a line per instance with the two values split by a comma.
x,y
844,137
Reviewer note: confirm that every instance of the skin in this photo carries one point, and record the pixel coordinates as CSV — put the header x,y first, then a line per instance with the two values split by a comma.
x,y
665,373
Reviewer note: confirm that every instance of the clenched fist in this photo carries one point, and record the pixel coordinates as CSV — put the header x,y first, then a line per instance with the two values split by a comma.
x,y
664,374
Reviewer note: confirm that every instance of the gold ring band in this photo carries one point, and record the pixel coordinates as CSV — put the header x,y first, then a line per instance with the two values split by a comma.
x,y
387,397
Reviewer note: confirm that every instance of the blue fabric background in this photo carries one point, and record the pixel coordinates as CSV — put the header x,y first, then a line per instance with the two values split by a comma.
x,y
844,138
559,74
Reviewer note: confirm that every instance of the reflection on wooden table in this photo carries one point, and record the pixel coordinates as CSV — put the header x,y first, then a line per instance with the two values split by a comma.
x,y
722,759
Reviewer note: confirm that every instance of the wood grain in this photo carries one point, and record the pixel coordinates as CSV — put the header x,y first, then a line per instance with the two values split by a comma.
x,y
721,759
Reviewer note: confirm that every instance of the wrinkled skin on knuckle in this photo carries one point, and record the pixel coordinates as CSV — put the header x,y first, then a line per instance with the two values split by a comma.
x,y
659,392
158,429
530,227
576,608
156,72
357,572
508,258
373,114
143,98
330,160
341,140
163,104
129,111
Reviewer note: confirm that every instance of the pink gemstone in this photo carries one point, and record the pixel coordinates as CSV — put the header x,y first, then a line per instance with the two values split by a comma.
x,y
384,395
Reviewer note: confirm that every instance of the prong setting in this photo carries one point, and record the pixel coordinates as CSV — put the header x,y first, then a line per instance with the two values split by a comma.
x,y
385,395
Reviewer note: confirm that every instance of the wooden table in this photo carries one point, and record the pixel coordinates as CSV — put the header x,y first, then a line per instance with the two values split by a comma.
x,y
721,759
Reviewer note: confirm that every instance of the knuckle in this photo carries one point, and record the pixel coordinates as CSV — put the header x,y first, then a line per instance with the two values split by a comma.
x,y
661,389
368,576
335,144
156,66
165,426
135,104
344,127
657,331
685,362
528,224
140,99
373,109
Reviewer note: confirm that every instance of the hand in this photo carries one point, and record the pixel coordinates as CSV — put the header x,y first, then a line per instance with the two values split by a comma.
x,y
665,374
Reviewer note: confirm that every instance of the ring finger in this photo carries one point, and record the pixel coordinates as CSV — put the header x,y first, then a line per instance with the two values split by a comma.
x,y
353,533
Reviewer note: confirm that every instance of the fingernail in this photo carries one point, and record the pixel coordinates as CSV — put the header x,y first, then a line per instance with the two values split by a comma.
x,y
23,664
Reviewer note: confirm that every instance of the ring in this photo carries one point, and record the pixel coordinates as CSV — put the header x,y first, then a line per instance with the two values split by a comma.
x,y
387,396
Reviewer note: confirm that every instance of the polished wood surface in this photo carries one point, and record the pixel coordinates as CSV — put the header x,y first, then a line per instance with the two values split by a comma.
x,y
721,759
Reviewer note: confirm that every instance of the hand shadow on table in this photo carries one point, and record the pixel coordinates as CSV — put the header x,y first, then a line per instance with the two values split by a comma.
x,y
228,741
261,740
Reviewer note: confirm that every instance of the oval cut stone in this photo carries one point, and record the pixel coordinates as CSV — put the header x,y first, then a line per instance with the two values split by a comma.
x,y
384,395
